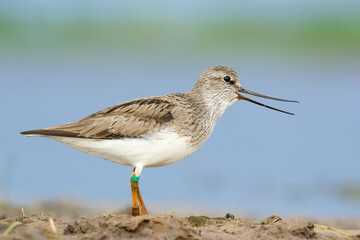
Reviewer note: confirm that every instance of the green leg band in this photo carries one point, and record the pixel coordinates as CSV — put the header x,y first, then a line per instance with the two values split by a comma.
x,y
134,178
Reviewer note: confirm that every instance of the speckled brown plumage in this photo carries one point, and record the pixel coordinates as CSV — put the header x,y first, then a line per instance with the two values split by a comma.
x,y
192,114
188,113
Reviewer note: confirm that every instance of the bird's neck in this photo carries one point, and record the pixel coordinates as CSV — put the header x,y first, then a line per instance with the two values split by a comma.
x,y
212,105
205,113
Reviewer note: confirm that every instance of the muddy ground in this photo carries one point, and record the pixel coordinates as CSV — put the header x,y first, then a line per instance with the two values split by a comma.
x,y
123,226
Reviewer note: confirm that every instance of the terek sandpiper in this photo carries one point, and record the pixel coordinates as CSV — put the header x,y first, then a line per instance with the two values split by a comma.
x,y
155,131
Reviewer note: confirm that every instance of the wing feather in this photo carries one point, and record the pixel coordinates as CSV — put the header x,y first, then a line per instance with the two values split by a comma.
x,y
129,119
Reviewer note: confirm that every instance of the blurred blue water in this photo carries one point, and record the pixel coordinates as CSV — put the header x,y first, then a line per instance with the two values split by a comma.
x,y
257,161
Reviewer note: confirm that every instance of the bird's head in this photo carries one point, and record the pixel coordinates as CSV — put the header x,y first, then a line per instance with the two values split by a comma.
x,y
220,85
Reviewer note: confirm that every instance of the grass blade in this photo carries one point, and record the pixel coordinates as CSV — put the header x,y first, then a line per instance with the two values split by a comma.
x,y
11,227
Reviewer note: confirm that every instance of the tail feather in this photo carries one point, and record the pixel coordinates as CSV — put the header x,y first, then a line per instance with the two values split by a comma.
x,y
49,132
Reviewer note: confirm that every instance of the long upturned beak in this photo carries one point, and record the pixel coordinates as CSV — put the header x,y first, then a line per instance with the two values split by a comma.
x,y
241,97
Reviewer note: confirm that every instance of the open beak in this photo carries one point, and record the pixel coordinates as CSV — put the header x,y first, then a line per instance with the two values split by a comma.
x,y
241,97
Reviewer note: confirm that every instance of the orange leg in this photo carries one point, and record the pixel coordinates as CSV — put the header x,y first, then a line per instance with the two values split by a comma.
x,y
134,193
136,196
141,202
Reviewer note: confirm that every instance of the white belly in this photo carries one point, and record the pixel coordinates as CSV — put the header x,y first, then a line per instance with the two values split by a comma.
x,y
152,150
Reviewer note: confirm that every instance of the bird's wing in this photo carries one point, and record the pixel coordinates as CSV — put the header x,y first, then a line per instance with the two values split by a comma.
x,y
128,119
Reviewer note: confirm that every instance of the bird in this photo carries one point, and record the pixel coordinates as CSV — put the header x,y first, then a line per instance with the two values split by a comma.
x,y
155,131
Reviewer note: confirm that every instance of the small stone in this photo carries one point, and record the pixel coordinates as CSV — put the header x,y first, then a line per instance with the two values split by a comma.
x,y
229,216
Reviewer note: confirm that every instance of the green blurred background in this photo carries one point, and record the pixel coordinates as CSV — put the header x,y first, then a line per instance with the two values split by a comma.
x,y
312,29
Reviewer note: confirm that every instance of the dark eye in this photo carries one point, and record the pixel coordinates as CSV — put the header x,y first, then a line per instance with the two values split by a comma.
x,y
227,78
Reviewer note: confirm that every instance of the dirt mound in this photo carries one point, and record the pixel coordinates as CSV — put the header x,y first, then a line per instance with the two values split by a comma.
x,y
166,227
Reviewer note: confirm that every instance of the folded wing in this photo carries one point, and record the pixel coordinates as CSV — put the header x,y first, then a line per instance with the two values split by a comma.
x,y
129,119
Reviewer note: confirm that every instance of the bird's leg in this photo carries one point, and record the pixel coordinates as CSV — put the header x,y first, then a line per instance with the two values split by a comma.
x,y
141,202
136,196
134,190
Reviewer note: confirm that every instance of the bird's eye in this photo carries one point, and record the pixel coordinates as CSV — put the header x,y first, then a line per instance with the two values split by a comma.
x,y
227,78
